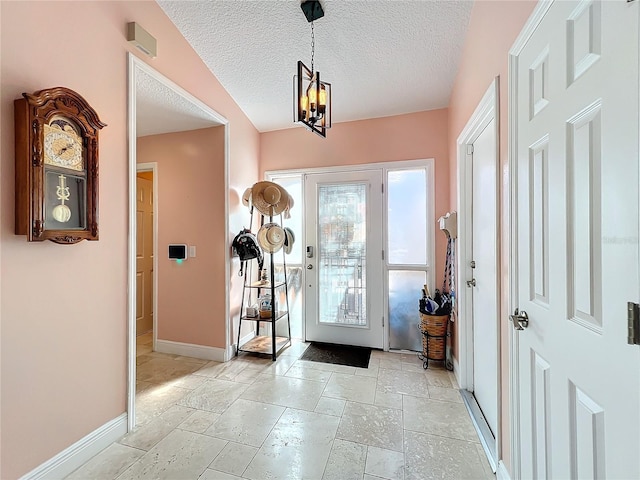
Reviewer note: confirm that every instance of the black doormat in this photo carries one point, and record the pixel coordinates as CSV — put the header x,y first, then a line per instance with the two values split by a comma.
x,y
337,354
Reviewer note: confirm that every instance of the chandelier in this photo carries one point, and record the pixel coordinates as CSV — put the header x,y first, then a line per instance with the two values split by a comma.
x,y
312,104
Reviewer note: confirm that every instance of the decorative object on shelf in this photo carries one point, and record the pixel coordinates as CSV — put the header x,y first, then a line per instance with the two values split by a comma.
x,y
289,239
312,96
265,306
269,198
56,147
271,237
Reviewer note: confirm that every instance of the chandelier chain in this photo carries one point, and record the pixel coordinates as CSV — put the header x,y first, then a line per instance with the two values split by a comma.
x,y
313,45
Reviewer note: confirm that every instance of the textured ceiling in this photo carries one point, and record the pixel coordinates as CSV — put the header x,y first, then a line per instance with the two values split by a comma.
x,y
159,109
382,57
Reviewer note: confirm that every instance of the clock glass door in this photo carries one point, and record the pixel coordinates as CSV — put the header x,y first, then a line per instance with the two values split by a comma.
x,y
65,192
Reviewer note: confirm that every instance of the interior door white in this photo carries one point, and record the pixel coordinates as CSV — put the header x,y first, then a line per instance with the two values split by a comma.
x,y
343,274
577,242
485,291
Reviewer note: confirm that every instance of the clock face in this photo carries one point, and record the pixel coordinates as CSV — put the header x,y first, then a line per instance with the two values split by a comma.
x,y
63,145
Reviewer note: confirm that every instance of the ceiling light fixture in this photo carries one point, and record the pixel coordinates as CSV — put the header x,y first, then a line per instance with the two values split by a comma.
x,y
312,104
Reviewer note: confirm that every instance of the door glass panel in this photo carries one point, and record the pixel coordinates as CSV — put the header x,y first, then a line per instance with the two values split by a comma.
x,y
407,217
341,256
404,293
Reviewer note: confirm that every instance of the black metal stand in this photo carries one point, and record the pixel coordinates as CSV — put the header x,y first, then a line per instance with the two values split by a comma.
x,y
261,344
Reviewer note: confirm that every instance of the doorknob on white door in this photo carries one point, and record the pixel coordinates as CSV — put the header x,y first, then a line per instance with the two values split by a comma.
x,y
471,283
309,267
520,319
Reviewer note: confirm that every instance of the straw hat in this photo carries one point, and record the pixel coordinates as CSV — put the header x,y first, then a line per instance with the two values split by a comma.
x,y
246,197
289,239
269,198
288,208
271,237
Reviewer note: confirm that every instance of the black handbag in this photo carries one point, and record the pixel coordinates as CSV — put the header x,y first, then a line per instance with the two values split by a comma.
x,y
246,247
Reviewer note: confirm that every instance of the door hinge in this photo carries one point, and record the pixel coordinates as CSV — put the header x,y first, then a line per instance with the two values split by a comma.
x,y
633,323
382,188
383,254
469,149
383,320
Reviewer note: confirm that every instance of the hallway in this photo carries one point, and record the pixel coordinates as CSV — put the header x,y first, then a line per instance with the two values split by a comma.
x,y
254,419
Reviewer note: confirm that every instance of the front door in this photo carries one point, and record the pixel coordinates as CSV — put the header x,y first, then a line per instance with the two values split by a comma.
x,y
343,258
577,243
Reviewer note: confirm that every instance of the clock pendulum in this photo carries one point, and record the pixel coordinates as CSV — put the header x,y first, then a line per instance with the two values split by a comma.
x,y
62,213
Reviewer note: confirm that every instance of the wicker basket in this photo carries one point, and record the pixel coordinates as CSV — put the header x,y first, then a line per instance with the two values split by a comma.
x,y
434,336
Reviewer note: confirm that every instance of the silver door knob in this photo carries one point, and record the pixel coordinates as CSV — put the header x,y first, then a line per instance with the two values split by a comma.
x,y
520,319
471,283
309,267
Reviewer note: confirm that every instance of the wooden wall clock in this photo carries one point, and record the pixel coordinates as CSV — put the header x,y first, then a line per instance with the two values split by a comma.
x,y
56,166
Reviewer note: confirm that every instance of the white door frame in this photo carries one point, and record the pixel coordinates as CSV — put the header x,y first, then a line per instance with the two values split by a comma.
x,y
153,168
486,111
135,65
427,163
527,31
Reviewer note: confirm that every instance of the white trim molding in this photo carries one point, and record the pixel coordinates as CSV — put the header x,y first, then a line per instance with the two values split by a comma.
x,y
487,111
191,350
80,452
502,473
136,65
527,31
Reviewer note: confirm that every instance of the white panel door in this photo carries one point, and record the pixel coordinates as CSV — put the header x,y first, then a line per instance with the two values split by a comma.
x,y
343,274
577,242
484,292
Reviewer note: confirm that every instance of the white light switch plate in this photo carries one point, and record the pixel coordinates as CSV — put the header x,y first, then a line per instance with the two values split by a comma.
x,y
192,251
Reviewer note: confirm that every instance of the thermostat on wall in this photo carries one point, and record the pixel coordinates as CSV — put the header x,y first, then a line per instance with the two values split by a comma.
x,y
177,252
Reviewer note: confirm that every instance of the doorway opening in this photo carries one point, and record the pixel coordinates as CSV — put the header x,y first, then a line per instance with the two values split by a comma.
x,y
160,108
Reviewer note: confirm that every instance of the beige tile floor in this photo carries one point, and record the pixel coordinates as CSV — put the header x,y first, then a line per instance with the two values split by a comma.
x,y
255,419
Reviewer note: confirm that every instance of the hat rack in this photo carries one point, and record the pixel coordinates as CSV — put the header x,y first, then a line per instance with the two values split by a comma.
x,y
449,224
269,200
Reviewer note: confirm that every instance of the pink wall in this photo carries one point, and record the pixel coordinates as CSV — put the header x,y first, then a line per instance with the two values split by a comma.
x,y
402,137
191,295
63,311
493,28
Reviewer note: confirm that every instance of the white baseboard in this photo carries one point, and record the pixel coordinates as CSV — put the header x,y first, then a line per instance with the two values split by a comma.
x,y
191,350
80,452
456,370
502,473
